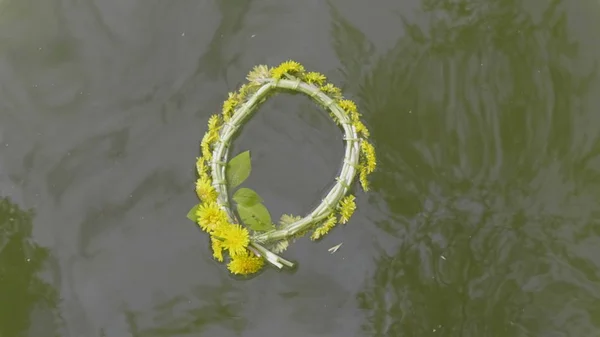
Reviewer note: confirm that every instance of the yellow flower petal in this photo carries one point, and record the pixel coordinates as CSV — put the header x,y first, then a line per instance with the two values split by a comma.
x,y
368,152
210,216
246,263
349,107
214,124
259,74
201,166
217,248
361,128
287,67
247,90
235,238
229,105
346,208
207,142
331,90
364,182
314,77
325,228
204,189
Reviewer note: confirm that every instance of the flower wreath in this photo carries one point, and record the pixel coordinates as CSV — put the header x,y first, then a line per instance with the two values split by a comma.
x,y
230,232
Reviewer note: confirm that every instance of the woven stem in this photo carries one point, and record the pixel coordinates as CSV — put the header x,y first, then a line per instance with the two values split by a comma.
x,y
337,192
347,174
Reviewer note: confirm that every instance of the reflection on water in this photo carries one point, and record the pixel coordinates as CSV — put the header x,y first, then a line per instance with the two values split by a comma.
x,y
233,14
33,301
492,176
208,306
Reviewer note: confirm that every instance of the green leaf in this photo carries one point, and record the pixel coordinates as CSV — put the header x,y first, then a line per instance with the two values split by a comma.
x,y
288,219
247,197
192,213
256,217
238,169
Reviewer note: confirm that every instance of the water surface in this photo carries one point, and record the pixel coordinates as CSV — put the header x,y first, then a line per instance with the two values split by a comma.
x,y
484,214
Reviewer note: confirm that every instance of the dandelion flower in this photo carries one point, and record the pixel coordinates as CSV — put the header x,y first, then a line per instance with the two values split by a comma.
x,y
314,77
259,74
235,238
346,208
331,90
325,228
361,128
201,167
247,90
287,67
207,141
210,216
245,263
205,190
368,152
217,248
348,106
214,123
229,106
363,174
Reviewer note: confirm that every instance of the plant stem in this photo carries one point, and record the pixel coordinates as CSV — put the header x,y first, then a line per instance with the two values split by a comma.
x,y
331,200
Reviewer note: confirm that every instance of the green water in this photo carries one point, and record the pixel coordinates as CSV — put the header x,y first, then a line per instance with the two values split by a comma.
x,y
484,219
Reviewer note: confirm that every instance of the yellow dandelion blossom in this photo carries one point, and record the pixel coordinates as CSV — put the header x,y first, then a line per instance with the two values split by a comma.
x,y
244,92
331,90
277,73
287,67
207,141
293,66
214,123
355,116
229,105
245,264
201,166
213,135
368,152
364,182
210,216
368,163
217,248
206,151
325,228
247,90
315,78
259,74
346,208
235,238
349,107
361,129
205,190
204,175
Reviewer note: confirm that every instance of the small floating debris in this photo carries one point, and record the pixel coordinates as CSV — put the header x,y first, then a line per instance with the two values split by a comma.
x,y
335,248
